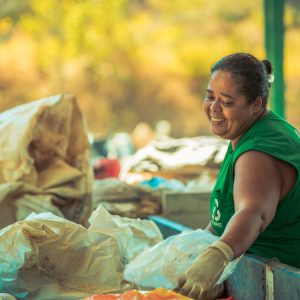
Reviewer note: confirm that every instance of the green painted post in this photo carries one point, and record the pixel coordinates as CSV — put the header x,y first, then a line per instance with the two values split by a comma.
x,y
274,45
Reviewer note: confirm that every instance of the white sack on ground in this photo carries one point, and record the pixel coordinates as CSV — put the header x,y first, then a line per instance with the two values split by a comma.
x,y
126,200
133,235
177,155
44,161
163,264
47,257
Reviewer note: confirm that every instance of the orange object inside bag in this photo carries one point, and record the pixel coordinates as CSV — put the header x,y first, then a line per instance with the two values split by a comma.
x,y
157,294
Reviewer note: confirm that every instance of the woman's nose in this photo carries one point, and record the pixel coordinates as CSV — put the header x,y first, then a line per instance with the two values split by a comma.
x,y
215,106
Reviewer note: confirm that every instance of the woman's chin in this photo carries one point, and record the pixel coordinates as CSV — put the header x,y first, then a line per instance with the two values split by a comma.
x,y
218,131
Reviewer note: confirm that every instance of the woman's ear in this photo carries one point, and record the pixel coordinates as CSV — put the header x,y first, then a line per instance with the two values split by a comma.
x,y
257,105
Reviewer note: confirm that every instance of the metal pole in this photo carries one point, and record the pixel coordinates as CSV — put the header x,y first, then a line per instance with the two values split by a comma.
x,y
274,45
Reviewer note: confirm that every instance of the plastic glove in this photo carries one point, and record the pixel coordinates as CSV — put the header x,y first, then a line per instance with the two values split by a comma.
x,y
199,279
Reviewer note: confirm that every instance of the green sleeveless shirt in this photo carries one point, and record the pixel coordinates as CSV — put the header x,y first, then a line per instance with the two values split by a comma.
x,y
281,239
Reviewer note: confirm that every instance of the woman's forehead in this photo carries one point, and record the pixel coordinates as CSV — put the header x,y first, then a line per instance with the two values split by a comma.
x,y
221,79
222,82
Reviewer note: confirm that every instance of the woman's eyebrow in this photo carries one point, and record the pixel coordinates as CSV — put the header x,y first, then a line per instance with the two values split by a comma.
x,y
222,93
227,96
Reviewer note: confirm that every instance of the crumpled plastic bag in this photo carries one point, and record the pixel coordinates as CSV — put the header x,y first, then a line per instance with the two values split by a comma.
x,y
133,235
44,161
163,264
47,257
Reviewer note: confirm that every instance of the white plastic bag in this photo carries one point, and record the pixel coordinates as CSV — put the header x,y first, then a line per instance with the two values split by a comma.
x,y
163,264
133,235
47,257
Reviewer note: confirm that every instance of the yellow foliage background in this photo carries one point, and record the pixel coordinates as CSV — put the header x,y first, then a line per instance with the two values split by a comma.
x,y
132,61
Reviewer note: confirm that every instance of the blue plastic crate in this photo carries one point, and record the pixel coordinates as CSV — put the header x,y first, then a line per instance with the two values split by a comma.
x,y
168,227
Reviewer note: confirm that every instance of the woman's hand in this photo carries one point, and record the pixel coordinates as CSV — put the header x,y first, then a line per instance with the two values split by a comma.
x,y
199,280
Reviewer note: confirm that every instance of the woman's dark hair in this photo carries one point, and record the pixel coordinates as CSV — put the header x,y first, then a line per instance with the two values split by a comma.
x,y
252,76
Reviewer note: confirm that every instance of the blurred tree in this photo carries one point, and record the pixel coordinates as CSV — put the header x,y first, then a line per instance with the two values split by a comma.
x,y
10,13
126,61
13,9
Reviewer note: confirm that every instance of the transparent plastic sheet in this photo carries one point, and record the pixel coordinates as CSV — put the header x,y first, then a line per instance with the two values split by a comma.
x,y
133,235
163,264
46,257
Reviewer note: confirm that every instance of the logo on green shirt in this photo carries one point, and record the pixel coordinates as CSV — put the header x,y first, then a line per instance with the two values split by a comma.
x,y
216,215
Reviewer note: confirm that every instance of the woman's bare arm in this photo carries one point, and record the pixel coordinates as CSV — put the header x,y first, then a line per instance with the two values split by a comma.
x,y
257,186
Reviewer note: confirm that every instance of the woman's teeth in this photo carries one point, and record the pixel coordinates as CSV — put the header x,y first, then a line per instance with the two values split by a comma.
x,y
216,119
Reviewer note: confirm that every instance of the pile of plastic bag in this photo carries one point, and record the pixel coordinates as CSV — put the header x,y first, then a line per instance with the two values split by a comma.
x,y
48,257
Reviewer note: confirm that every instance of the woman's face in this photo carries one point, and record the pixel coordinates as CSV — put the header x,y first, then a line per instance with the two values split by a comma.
x,y
227,110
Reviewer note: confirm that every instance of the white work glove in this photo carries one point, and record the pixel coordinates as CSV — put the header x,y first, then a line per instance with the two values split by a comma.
x,y
198,282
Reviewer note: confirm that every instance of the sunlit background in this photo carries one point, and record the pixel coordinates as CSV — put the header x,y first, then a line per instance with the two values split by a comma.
x,y
134,61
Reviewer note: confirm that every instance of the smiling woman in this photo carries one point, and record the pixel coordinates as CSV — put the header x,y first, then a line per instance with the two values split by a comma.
x,y
255,204
231,104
